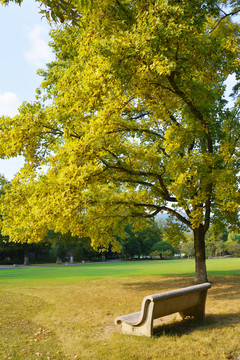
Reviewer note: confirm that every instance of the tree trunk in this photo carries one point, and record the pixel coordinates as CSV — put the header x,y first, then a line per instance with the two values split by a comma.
x,y
26,257
200,259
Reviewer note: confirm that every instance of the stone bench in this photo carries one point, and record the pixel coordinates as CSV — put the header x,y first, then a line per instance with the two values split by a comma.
x,y
188,301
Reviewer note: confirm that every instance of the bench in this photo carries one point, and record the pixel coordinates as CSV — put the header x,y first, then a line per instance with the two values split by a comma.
x,y
188,301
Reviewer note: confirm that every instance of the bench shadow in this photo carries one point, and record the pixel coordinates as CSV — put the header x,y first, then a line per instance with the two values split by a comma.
x,y
161,285
223,287
189,325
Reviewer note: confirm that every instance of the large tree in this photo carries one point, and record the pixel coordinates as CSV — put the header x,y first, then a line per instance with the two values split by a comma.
x,y
131,120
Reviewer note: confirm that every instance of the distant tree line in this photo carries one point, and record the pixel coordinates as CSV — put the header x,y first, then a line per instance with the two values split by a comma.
x,y
57,247
149,243
222,243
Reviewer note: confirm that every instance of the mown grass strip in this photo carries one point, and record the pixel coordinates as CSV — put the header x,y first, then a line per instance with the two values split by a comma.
x,y
222,266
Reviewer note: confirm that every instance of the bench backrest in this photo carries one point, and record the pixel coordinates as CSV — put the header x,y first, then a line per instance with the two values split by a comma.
x,y
176,300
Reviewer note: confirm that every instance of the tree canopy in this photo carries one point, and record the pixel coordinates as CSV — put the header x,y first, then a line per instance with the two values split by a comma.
x,y
57,10
131,120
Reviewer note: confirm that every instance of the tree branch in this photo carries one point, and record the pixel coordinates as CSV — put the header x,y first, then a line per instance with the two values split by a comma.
x,y
192,108
157,210
207,213
136,130
56,131
129,171
164,194
234,12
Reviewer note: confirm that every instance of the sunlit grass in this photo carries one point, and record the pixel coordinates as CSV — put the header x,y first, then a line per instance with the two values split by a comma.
x,y
228,266
68,312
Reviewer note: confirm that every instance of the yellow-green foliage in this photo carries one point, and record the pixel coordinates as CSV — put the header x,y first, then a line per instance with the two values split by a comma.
x,y
135,123
57,10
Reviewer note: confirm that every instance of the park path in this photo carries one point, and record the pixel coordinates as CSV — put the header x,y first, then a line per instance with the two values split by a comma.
x,y
55,265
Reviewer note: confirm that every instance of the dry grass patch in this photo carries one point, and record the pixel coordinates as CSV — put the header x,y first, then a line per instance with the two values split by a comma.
x,y
78,321
21,337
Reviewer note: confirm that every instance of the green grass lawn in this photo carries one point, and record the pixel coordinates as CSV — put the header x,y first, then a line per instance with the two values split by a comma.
x,y
223,266
67,312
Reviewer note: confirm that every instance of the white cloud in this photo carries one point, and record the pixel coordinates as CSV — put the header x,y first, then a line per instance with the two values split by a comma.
x,y
9,103
39,52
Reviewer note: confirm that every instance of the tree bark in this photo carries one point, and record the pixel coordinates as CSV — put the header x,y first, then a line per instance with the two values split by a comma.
x,y
26,257
200,259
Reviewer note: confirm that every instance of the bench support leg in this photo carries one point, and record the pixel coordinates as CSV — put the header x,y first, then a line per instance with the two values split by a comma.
x,y
145,328
198,311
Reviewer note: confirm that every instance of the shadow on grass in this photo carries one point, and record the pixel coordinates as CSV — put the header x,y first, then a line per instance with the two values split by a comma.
x,y
169,283
223,287
189,325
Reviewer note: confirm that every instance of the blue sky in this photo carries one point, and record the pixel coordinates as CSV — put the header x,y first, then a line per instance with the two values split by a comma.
x,y
24,48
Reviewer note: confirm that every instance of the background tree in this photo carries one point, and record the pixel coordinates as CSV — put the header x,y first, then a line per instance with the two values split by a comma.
x,y
140,242
5,246
174,232
233,236
130,245
71,244
138,124
68,248
162,248
85,252
188,248
233,248
215,241
148,236
233,243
